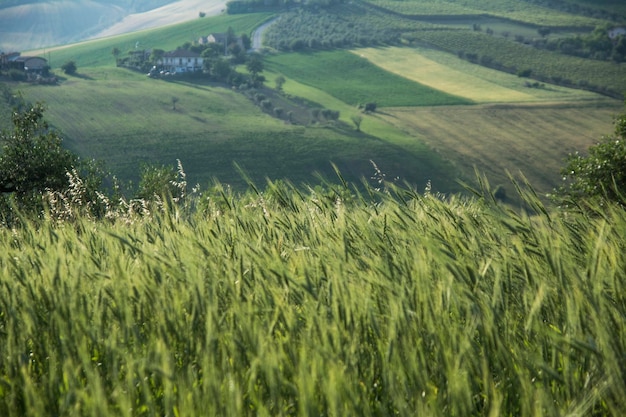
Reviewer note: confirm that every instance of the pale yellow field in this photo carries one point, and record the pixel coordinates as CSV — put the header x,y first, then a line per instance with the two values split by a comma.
x,y
448,73
533,138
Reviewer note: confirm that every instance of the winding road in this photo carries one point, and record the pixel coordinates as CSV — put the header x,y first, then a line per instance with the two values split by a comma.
x,y
257,35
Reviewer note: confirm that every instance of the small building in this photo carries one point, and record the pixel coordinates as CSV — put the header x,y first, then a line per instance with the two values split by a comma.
x,y
615,32
181,61
6,58
32,64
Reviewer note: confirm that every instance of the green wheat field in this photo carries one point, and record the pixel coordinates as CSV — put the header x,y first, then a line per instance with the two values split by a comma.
x,y
318,302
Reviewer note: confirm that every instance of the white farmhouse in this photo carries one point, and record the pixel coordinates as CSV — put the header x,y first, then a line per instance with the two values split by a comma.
x,y
181,61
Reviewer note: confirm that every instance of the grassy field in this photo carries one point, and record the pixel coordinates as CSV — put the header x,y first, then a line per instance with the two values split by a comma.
x,y
99,52
126,119
291,304
448,73
354,80
530,138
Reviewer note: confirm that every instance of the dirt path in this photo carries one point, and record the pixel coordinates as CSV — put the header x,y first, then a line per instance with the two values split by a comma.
x,y
178,12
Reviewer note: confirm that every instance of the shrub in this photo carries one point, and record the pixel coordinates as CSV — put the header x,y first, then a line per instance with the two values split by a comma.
x,y
69,68
17,75
370,107
602,174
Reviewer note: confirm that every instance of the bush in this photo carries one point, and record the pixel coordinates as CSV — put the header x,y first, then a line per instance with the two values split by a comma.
x,y
370,107
602,174
69,68
17,75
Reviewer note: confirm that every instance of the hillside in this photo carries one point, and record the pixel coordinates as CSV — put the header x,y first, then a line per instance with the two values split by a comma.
x,y
26,25
440,114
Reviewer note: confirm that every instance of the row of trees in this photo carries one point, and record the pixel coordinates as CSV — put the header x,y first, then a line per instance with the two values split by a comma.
x,y
336,27
250,6
596,45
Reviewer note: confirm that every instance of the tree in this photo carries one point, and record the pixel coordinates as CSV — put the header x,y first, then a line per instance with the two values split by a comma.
x,y
246,41
156,55
357,119
69,68
32,159
370,107
221,69
157,182
602,174
279,81
116,52
254,65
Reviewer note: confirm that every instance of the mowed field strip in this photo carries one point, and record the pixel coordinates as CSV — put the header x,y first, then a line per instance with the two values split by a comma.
x,y
533,139
450,74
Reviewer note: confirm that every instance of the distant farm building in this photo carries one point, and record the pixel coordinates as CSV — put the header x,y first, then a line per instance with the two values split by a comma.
x,y
181,61
614,33
29,64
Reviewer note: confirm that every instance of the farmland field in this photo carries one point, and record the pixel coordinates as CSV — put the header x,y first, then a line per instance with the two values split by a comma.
x,y
125,119
448,73
354,80
530,138
545,65
297,304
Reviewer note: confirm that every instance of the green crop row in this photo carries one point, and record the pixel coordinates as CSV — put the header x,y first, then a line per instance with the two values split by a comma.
x,y
345,25
355,80
602,76
283,303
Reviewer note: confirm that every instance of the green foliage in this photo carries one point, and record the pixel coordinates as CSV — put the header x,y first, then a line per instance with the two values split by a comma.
x,y
279,81
599,175
542,13
17,75
32,159
343,25
37,173
69,67
159,182
288,303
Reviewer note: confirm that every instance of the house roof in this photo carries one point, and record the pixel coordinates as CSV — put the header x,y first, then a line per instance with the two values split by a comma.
x,y
181,53
28,58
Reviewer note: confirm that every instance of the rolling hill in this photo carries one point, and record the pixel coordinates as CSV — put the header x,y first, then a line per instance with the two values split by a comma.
x,y
439,116
26,25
